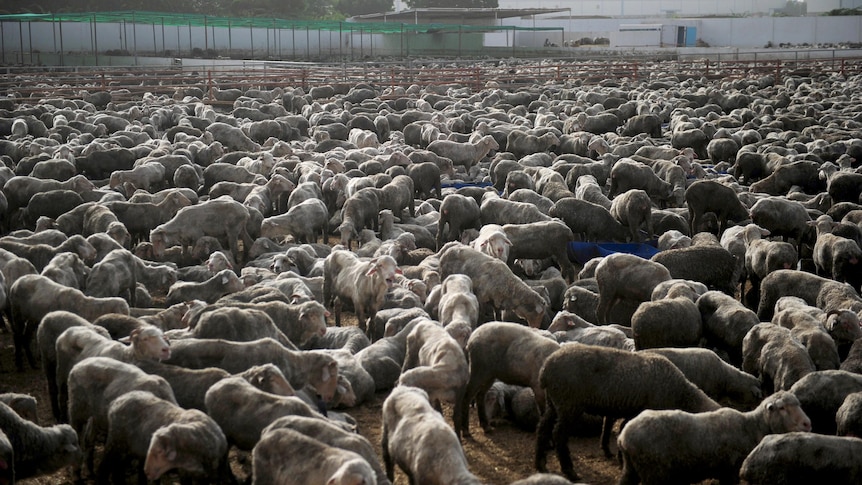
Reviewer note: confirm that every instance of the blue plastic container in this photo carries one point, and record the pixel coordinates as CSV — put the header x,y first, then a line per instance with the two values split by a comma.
x,y
585,251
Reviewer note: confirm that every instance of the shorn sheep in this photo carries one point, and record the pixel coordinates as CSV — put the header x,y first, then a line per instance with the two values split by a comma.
x,y
671,446
804,458
288,457
418,440
613,383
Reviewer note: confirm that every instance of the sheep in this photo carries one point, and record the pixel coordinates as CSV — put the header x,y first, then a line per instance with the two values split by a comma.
x,y
79,342
628,174
52,325
331,465
355,385
622,276
806,328
706,445
94,383
505,351
389,230
668,322
190,385
360,210
41,254
772,354
418,440
220,217
299,322
826,294
848,418
23,404
782,217
222,283
722,272
238,325
384,358
140,218
299,367
718,379
822,393
542,479
434,362
7,459
67,269
837,257
332,435
397,195
569,327
350,339
34,296
37,450
457,301
799,458
362,283
609,382
710,196
853,361
243,411
632,209
493,241
466,154
114,275
162,436
763,257
541,240
494,210
494,282
302,221
426,176
590,221
459,212
803,173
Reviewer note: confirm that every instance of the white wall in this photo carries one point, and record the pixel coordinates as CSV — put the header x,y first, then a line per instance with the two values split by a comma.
x,y
720,32
683,7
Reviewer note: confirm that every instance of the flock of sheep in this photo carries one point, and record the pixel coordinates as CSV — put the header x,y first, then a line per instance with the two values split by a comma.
x,y
169,264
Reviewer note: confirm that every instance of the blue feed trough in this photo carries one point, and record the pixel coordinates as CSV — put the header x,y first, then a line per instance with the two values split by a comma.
x,y
585,251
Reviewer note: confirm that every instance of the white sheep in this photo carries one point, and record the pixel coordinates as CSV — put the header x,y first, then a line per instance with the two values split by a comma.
x,y
363,284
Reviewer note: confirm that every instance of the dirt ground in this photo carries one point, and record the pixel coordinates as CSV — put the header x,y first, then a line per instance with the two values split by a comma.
x,y
501,457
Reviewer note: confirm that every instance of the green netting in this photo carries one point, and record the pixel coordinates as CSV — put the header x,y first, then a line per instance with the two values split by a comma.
x,y
195,20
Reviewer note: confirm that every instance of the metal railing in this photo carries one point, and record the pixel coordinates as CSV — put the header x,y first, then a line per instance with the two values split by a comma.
x,y
131,83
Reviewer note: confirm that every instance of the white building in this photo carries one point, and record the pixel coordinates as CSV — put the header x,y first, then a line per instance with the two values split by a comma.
x,y
671,8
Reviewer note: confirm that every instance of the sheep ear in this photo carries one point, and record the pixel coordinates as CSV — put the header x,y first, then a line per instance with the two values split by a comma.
x,y
327,373
294,298
326,313
125,340
507,241
770,407
168,448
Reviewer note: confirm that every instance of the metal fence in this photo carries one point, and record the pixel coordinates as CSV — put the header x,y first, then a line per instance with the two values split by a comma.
x,y
132,83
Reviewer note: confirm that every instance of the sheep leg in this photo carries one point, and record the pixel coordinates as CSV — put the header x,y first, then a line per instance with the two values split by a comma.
x,y
607,428
480,409
51,377
543,437
462,409
388,464
629,475
561,443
